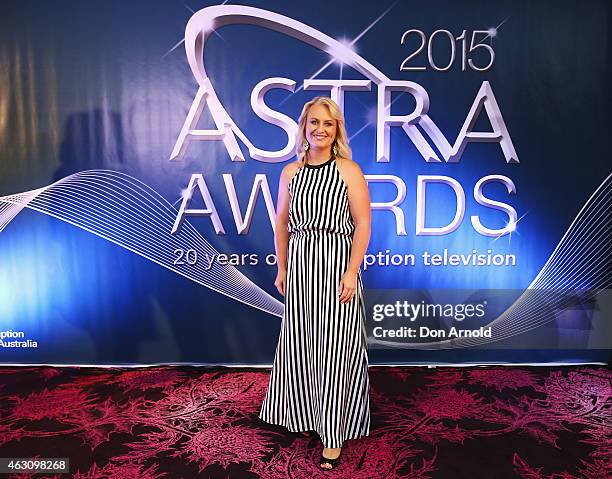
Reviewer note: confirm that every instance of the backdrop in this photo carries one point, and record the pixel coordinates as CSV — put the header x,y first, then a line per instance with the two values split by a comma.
x,y
141,145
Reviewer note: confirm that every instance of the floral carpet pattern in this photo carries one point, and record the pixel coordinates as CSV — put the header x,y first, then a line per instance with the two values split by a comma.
x,y
426,423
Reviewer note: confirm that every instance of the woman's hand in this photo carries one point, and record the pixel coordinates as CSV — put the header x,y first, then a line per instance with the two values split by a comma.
x,y
348,286
281,280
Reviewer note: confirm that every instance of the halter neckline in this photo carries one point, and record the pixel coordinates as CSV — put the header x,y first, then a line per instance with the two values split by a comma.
x,y
307,165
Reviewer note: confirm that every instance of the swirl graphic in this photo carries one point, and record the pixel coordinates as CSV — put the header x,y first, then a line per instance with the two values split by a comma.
x,y
125,211
577,270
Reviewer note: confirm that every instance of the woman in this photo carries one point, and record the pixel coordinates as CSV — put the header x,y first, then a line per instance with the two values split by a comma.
x,y
319,378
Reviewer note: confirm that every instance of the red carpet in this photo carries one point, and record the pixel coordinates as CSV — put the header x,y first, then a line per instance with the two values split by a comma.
x,y
187,422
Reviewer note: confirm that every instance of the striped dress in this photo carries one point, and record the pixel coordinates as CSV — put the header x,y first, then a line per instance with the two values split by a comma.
x,y
319,379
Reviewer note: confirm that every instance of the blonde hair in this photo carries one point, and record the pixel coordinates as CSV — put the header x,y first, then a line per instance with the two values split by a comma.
x,y
341,140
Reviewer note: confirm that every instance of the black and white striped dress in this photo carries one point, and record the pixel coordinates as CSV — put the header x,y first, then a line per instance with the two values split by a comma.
x,y
319,379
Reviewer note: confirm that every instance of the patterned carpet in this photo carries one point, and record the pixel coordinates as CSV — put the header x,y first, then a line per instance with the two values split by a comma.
x,y
187,422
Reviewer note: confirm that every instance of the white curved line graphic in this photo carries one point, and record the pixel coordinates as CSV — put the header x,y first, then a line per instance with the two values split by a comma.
x,y
125,211
544,295
201,25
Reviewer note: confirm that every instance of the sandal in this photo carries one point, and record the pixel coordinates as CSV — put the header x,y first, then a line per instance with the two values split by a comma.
x,y
326,460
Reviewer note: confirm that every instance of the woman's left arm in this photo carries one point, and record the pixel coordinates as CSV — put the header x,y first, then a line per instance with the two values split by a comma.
x,y
359,205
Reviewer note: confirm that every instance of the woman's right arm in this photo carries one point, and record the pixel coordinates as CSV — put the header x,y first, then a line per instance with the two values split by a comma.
x,y
281,230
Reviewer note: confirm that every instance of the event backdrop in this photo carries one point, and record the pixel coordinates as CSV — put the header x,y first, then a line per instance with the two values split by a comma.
x,y
141,145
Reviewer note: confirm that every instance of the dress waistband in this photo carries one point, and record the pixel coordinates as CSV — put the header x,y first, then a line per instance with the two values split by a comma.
x,y
318,232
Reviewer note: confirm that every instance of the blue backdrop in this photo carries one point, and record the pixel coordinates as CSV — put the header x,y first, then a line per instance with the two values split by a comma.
x,y
95,98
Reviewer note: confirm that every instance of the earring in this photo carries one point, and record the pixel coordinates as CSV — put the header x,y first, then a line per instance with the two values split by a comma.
x,y
305,145
335,149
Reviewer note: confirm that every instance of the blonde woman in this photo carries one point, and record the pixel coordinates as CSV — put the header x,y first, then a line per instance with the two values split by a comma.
x,y
319,380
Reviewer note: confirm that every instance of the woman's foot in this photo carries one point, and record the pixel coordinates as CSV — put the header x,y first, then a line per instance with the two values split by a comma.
x,y
330,457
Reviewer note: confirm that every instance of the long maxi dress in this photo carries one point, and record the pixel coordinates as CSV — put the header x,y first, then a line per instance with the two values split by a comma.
x,y
319,379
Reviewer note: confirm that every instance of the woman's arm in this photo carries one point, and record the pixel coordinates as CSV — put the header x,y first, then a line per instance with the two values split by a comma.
x,y
281,231
359,205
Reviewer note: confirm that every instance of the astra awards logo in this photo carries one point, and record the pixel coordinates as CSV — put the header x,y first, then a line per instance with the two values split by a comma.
x,y
417,125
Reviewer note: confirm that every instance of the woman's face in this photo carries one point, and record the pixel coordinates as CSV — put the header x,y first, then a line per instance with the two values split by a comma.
x,y
320,128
